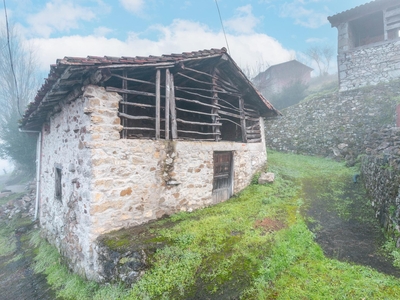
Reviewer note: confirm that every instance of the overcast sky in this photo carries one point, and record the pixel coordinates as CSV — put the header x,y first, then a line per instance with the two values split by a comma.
x,y
259,32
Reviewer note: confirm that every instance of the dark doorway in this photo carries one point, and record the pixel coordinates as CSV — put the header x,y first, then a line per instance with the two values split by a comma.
x,y
223,175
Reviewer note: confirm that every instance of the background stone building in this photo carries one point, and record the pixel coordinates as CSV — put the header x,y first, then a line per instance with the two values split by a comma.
x,y
277,77
368,44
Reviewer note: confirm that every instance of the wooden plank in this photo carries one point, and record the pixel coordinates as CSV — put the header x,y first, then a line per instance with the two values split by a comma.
x,y
197,94
165,66
256,116
137,104
229,120
254,126
196,112
392,13
249,109
196,139
135,117
195,101
167,102
198,72
197,132
221,112
198,123
253,131
226,107
230,104
242,120
133,66
158,99
172,108
124,107
131,92
193,79
132,79
221,91
393,26
139,128
214,111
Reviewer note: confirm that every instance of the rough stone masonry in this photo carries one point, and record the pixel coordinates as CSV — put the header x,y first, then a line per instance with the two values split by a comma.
x,y
108,183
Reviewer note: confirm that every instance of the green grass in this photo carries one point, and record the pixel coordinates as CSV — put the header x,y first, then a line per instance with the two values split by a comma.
x,y
7,240
68,285
220,252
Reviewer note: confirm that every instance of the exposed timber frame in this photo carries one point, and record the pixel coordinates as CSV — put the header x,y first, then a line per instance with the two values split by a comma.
x,y
195,103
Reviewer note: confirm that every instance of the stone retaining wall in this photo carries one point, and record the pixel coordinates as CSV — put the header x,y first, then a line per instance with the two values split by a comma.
x,y
339,125
380,169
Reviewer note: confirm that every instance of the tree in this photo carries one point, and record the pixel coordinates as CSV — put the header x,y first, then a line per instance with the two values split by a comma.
x,y
252,71
18,85
322,56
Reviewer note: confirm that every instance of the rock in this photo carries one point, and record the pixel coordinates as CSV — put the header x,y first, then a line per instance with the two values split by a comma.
x,y
342,146
384,145
266,178
336,152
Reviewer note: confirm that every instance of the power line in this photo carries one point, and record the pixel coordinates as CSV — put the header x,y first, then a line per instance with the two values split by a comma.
x,y
223,28
11,60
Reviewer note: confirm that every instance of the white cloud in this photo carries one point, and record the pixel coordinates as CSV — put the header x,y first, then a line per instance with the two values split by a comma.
x,y
244,21
180,36
303,16
316,40
60,16
102,31
133,6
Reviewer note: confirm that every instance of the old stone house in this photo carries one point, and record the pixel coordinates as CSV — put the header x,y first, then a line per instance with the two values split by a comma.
x,y
277,77
368,44
126,140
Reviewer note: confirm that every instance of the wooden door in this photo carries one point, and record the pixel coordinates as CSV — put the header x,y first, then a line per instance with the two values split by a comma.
x,y
223,175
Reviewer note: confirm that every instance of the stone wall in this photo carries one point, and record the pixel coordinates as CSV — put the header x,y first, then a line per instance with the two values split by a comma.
x,y
109,183
66,221
368,65
338,125
380,169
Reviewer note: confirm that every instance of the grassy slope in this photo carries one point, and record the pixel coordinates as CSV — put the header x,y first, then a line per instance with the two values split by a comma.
x,y
224,252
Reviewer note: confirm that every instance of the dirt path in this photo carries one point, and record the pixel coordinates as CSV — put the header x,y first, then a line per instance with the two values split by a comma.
x,y
346,228
17,279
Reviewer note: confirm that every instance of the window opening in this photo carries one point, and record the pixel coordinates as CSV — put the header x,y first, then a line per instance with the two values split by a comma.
x,y
392,18
367,30
58,181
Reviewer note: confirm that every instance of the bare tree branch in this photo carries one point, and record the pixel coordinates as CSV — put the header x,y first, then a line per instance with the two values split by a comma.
x,y
322,56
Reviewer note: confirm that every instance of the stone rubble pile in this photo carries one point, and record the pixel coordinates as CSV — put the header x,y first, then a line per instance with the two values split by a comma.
x,y
23,206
